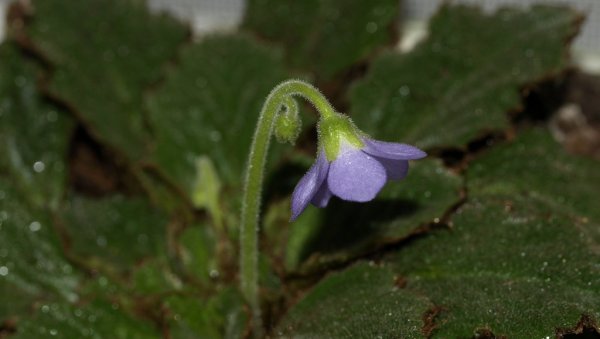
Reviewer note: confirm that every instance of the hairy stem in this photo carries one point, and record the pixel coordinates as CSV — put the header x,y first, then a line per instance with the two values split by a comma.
x,y
281,95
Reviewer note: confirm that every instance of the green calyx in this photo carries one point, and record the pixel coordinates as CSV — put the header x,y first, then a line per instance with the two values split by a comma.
x,y
335,129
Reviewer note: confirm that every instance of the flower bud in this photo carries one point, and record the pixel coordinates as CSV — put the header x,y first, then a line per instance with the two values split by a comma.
x,y
287,126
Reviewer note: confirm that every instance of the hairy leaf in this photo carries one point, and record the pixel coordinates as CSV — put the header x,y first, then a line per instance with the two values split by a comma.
x,y
106,54
33,134
97,320
209,106
514,251
115,231
360,302
465,77
335,33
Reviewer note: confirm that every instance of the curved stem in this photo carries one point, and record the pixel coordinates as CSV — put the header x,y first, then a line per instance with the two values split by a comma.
x,y
254,181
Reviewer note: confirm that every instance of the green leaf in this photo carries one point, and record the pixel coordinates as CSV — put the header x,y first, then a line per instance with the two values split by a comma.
x,y
105,55
360,302
115,232
347,230
209,106
514,251
97,320
33,134
221,316
536,166
464,78
33,144
198,252
152,277
337,33
161,192
32,265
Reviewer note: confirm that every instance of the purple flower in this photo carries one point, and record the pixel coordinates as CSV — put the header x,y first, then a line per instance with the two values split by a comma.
x,y
356,173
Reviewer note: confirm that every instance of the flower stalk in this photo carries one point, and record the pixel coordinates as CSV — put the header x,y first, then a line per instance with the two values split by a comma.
x,y
280,98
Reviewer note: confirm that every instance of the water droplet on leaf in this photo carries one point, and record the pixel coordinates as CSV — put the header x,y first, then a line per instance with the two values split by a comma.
x,y
39,166
371,27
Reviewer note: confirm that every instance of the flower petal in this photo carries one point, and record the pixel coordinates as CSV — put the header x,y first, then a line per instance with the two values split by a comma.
x,y
321,198
392,150
309,185
356,176
394,169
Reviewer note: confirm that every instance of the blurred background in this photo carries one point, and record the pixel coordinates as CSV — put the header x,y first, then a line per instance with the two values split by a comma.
x,y
210,15
223,15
